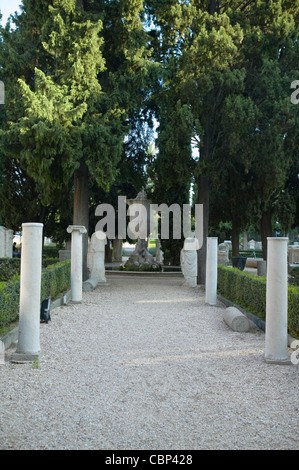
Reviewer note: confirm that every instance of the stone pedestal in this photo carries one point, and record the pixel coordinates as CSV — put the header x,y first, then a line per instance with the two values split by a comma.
x,y
76,261
189,261
262,268
293,252
276,336
2,242
6,241
28,349
211,270
223,254
96,257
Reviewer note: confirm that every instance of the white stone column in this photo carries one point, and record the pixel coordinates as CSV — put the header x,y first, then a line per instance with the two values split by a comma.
x,y
211,270
189,261
28,349
2,242
96,261
8,243
276,336
76,261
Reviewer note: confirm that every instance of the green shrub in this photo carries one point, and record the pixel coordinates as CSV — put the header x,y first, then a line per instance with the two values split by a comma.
x,y
55,280
51,251
294,276
9,267
293,311
249,291
9,300
48,261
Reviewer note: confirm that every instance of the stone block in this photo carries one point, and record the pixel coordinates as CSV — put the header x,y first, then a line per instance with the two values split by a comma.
x,y
293,254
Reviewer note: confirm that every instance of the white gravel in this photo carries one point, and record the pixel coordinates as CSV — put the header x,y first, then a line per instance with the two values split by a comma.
x,y
145,364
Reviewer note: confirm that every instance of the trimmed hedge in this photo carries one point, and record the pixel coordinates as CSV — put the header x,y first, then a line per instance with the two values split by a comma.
x,y
294,276
55,280
51,251
9,300
8,268
11,266
249,291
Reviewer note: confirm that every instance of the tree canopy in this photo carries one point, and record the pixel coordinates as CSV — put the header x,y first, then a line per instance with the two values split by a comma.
x,y
84,80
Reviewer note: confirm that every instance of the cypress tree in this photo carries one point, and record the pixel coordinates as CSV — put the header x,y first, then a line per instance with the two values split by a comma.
x,y
74,112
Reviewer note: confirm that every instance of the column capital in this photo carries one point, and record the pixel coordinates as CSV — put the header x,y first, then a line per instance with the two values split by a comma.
x,y
74,228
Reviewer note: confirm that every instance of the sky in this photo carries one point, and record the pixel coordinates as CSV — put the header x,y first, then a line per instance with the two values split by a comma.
x,y
7,7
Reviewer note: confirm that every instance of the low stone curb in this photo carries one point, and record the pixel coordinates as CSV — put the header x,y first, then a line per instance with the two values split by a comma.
x,y
145,273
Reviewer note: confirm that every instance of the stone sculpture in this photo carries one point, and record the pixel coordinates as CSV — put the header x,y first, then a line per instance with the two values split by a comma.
x,y
96,257
189,261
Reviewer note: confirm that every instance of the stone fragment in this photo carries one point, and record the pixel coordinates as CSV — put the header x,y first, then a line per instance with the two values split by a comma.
x,y
236,320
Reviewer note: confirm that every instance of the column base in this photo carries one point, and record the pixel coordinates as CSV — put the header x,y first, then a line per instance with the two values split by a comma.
x,y
22,358
286,361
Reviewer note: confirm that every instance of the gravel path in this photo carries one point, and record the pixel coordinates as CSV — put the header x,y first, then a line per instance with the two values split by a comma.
x,y
145,364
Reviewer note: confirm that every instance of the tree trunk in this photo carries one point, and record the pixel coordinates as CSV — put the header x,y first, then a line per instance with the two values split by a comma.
x,y
266,230
235,238
117,249
245,241
203,198
108,254
81,208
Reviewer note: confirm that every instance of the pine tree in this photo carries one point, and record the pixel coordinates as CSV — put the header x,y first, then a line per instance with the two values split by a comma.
x,y
20,51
